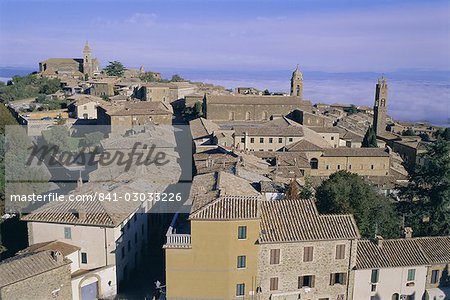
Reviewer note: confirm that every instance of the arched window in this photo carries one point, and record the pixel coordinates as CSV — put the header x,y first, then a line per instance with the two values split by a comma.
x,y
298,90
314,163
395,296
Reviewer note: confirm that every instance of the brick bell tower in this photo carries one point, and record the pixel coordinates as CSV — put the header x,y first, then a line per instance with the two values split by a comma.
x,y
380,107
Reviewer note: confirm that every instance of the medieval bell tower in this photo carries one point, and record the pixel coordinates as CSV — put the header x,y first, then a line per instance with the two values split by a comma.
x,y
380,107
87,60
297,83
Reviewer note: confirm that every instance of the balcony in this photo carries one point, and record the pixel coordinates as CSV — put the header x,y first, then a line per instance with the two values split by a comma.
x,y
176,240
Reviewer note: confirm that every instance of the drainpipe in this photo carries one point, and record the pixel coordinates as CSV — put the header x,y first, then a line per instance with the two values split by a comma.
x,y
106,248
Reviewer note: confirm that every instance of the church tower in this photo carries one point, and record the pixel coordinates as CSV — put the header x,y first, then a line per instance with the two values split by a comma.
x,y
297,83
380,107
87,60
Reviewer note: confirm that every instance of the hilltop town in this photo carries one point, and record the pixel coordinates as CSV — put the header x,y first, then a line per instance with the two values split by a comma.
x,y
284,198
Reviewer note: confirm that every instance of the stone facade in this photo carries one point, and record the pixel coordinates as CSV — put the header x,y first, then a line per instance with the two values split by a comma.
x,y
251,108
380,107
297,83
291,266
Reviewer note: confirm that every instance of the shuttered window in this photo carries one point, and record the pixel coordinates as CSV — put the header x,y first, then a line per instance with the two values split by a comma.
x,y
340,251
338,278
274,283
308,254
274,256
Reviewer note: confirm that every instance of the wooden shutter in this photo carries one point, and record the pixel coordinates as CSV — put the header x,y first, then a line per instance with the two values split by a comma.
x,y
274,283
313,280
344,278
300,282
331,278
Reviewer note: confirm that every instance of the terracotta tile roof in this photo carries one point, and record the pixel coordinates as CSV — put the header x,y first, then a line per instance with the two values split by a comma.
x,y
228,208
299,220
366,152
325,129
201,127
62,247
303,145
97,213
436,249
25,266
142,108
391,253
276,131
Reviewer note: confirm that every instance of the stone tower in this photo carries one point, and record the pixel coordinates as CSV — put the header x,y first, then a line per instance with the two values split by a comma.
x,y
297,83
380,107
87,60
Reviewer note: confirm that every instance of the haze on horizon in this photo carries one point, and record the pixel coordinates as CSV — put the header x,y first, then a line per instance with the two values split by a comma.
x,y
220,40
320,35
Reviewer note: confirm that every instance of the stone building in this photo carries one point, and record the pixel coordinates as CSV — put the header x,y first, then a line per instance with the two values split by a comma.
x,y
103,87
165,92
265,242
297,83
303,254
79,68
122,117
84,106
251,107
42,275
380,107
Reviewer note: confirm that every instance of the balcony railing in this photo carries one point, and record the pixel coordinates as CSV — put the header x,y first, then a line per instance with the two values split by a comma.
x,y
177,240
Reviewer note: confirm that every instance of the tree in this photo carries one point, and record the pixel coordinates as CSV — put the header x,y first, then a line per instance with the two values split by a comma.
x,y
292,192
408,132
424,136
148,77
115,68
352,109
266,92
93,139
306,191
370,139
347,193
177,78
426,199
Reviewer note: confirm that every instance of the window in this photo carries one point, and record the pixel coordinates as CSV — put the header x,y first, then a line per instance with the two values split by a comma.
x,y
241,261
240,289
411,274
375,276
340,251
373,288
314,163
242,232
261,140
395,296
349,167
332,138
67,233
327,167
242,140
274,283
270,140
247,115
290,140
338,278
265,115
371,167
252,140
280,140
338,167
434,276
83,257
306,281
274,256
308,254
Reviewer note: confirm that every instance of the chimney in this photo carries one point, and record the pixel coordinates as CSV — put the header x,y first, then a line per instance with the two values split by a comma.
x,y
80,213
408,232
379,240
57,256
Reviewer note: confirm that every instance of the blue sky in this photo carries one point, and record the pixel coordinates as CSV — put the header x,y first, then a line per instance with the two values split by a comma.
x,y
321,35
